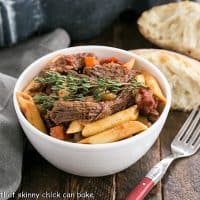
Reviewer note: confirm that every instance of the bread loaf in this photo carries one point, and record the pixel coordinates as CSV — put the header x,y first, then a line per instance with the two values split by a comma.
x,y
173,26
182,72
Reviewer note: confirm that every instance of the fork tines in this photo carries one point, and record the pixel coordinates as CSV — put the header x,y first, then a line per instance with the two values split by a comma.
x,y
190,131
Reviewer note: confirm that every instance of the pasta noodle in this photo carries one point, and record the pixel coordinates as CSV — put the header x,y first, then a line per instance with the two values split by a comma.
x,y
30,111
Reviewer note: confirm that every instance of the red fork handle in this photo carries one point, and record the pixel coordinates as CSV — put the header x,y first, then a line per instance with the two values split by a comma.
x,y
141,190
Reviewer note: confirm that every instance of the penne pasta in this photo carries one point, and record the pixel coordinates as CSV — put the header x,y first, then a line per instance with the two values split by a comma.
x,y
119,132
29,89
110,121
30,111
140,78
144,120
130,64
152,83
74,127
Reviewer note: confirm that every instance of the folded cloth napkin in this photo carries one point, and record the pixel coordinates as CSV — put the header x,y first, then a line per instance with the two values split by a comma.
x,y
12,62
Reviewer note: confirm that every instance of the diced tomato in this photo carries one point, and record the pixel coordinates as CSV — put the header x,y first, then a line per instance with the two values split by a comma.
x,y
109,60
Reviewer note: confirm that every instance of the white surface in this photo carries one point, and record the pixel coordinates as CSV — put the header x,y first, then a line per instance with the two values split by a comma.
x,y
87,159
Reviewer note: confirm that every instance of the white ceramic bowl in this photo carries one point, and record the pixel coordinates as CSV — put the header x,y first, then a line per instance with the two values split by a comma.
x,y
87,159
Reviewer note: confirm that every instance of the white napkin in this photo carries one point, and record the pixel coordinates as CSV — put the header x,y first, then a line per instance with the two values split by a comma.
x,y
12,62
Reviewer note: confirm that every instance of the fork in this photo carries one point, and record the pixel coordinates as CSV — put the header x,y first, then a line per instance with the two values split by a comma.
x,y
185,143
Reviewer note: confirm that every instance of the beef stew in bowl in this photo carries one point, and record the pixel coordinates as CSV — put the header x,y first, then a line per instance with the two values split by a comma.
x,y
84,99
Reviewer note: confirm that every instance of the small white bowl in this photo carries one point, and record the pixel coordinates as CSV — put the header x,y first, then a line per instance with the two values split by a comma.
x,y
87,159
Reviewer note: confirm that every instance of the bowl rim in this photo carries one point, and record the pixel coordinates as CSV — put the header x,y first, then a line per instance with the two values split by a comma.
x,y
126,141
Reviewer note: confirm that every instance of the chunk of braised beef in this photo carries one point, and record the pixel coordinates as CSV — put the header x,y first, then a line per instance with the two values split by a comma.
x,y
49,123
111,70
153,116
48,89
66,111
64,63
146,102
37,87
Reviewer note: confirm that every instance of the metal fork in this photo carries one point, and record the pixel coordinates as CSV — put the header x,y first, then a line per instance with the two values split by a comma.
x,y
186,143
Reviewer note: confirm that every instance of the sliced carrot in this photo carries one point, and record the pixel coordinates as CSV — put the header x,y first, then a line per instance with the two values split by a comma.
x,y
109,60
57,132
90,61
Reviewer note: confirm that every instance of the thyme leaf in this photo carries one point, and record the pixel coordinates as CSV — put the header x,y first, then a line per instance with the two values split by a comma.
x,y
81,86
45,102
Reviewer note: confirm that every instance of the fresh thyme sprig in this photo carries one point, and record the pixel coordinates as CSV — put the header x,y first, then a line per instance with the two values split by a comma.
x,y
80,86
44,101
57,80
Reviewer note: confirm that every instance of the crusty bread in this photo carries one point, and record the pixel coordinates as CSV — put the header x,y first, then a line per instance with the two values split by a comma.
x,y
173,26
182,72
